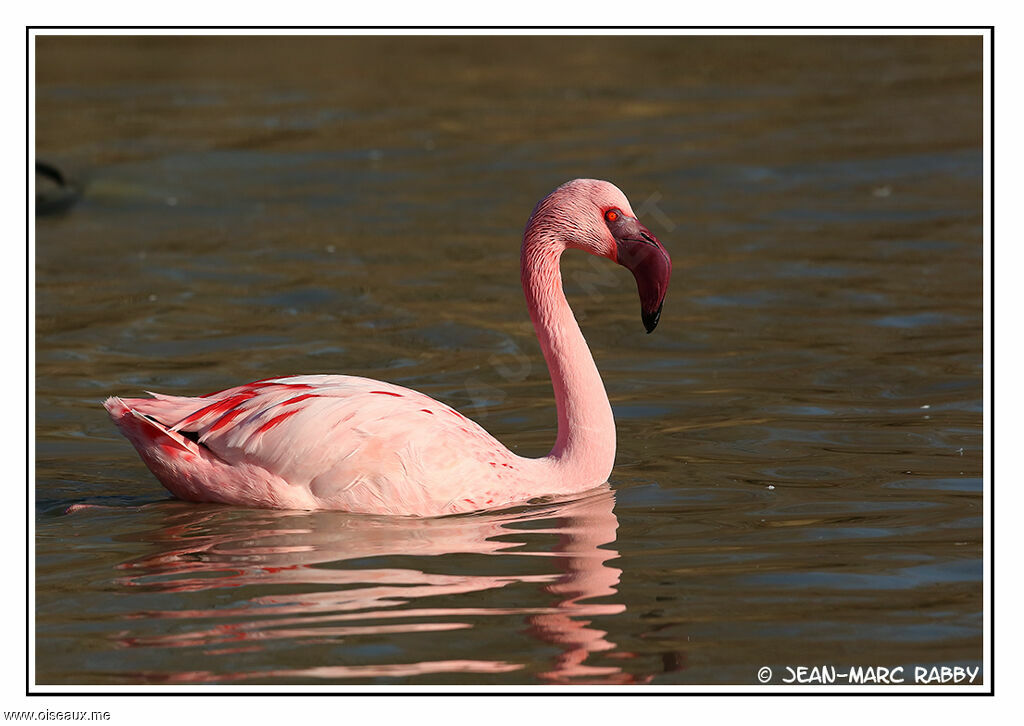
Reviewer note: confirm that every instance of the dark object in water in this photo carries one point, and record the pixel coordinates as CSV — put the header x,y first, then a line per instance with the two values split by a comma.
x,y
54,192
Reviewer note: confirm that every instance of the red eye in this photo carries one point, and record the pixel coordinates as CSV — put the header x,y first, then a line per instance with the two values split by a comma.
x,y
611,215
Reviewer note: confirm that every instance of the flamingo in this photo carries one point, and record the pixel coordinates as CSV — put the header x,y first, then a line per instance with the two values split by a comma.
x,y
365,446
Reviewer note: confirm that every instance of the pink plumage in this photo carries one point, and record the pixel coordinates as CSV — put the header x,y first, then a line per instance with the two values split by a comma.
x,y
360,445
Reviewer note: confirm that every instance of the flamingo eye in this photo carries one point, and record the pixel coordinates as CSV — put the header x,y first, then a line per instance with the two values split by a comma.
x,y
612,214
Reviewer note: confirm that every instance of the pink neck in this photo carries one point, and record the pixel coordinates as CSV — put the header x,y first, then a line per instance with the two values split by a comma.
x,y
584,451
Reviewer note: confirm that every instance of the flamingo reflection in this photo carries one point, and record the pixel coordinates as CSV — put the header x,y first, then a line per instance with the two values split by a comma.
x,y
321,577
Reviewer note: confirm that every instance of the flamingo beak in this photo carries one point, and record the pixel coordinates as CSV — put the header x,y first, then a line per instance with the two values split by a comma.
x,y
641,252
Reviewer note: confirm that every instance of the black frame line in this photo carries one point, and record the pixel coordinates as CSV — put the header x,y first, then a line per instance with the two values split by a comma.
x,y
541,689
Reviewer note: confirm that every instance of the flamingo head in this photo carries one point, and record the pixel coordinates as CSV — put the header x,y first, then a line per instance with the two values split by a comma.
x,y
595,216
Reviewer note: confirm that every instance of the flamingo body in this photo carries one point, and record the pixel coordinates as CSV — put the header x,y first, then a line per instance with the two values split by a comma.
x,y
360,445
323,442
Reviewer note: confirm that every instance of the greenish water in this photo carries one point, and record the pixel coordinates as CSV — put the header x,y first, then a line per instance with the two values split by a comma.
x,y
799,474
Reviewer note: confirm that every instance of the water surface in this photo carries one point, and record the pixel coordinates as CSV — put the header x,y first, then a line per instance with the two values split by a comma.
x,y
799,468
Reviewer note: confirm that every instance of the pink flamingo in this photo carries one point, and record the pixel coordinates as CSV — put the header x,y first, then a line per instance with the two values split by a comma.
x,y
360,445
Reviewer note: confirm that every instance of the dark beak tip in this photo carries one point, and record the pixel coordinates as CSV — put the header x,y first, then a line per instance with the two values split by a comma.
x,y
651,319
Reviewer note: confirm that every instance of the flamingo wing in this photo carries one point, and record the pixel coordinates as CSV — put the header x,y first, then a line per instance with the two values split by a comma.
x,y
312,442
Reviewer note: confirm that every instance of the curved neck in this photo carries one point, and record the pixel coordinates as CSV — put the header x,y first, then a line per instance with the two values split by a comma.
x,y
584,451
